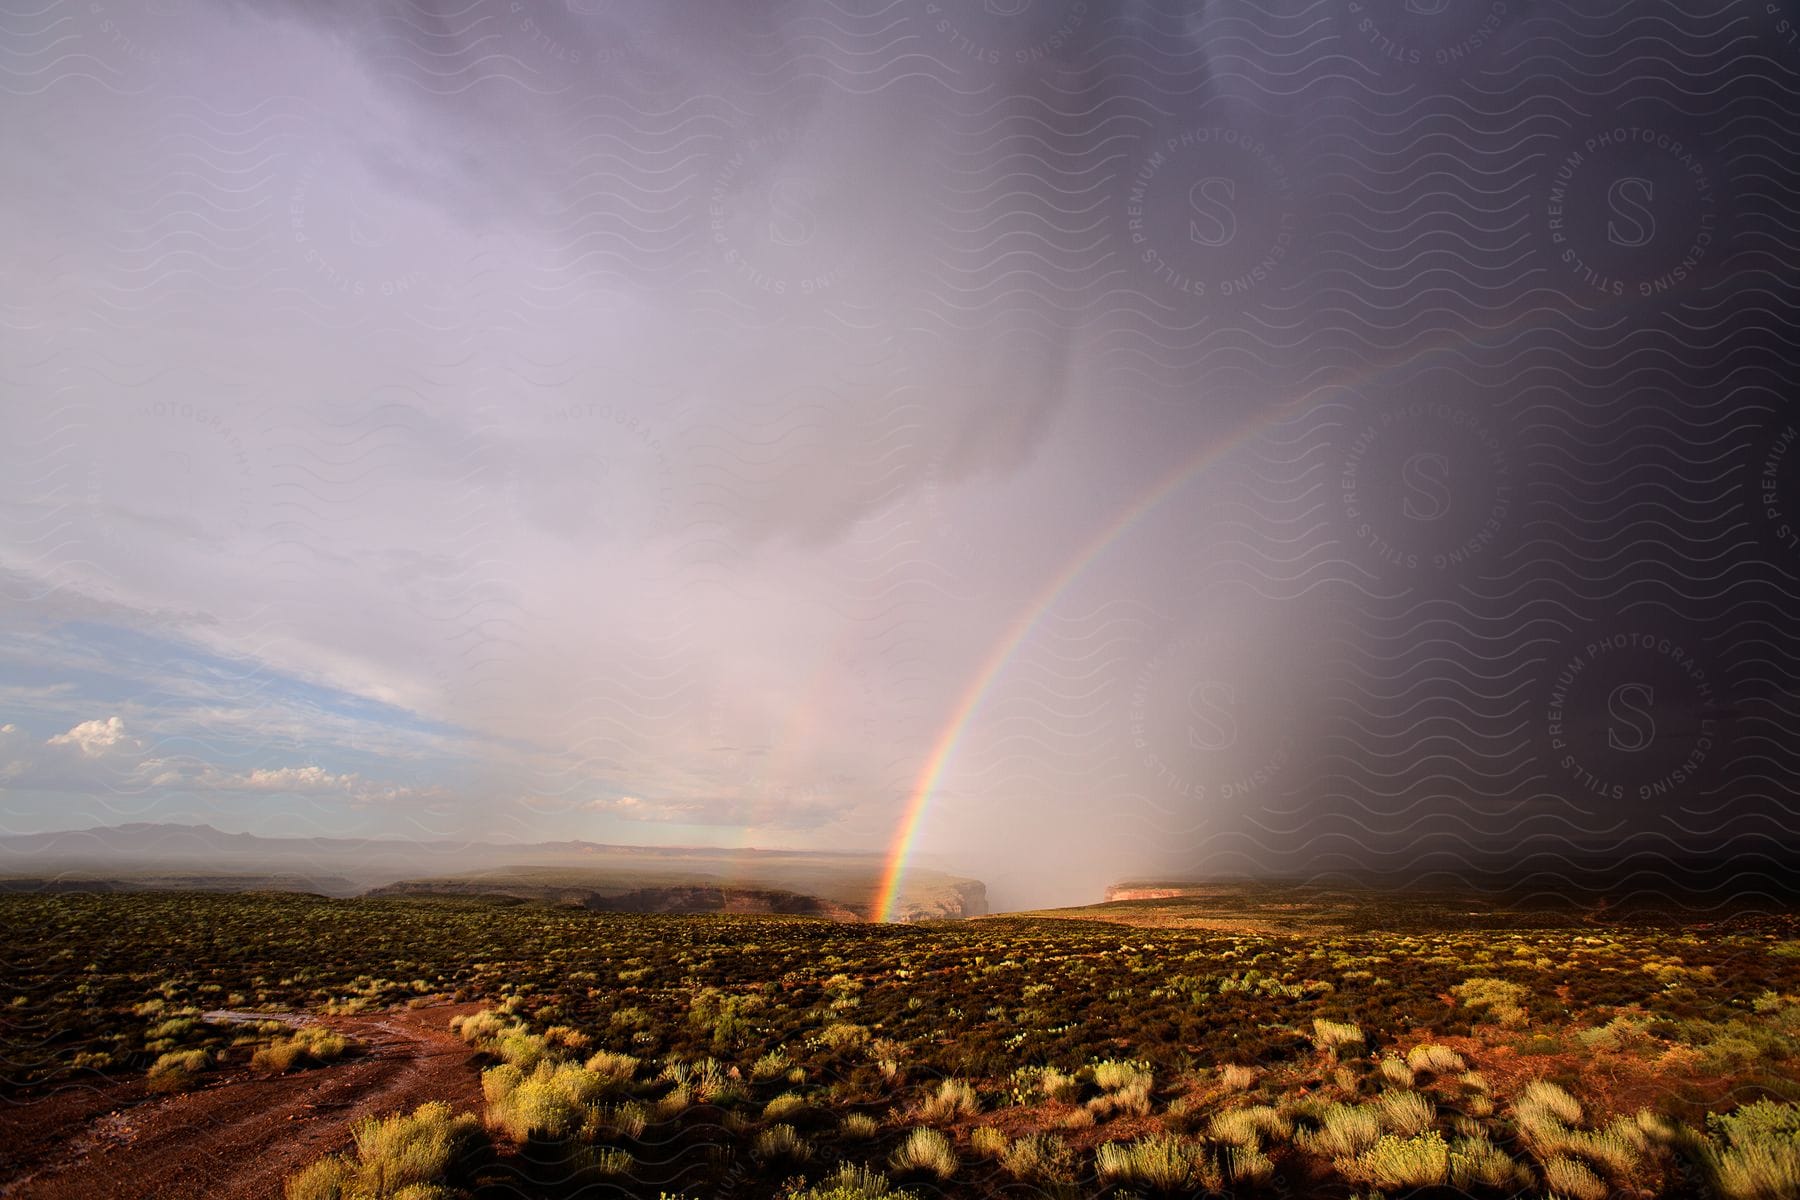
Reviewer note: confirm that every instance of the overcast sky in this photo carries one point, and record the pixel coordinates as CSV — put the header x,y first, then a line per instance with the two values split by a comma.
x,y
1311,434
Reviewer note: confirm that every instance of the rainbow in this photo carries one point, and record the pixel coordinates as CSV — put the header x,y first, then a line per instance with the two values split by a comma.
x,y
925,786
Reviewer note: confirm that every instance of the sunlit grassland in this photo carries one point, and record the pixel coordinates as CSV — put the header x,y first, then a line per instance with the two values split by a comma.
x,y
691,1054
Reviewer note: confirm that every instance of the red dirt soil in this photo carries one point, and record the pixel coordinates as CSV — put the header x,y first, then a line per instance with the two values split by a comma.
x,y
1611,1083
241,1134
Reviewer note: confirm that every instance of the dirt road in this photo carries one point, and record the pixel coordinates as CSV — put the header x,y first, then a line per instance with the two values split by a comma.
x,y
238,1137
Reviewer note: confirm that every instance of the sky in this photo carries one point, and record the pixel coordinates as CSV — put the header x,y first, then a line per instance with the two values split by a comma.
x,y
1075,441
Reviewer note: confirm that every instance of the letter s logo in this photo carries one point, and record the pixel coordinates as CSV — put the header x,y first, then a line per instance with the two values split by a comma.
x,y
1210,724
1629,706
1211,221
1632,223
1427,479
791,212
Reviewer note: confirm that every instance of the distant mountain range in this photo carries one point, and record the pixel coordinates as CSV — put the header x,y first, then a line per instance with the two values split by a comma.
x,y
594,874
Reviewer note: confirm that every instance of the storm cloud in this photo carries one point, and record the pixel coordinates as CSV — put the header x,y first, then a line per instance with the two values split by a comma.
x,y
1173,438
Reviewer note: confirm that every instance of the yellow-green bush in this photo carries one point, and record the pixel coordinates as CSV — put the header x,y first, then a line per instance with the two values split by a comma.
x,y
988,1142
552,1102
1344,1131
1250,1126
1115,1075
1433,1058
952,1099
782,1142
925,1150
412,1156
1565,1176
1395,1070
849,1182
311,1046
1476,1162
784,1106
1754,1152
612,1067
1500,1000
1039,1158
1397,1164
859,1126
1334,1036
1162,1164
1236,1078
177,1070
1404,1113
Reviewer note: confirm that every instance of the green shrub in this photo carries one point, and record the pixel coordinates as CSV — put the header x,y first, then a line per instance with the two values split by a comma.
x,y
1566,1176
849,1182
1236,1078
1183,1114
1404,1113
674,1103
1498,999
521,1049
478,1027
612,1067
1134,1100
1435,1059
858,1126
553,1102
599,1162
312,1046
1615,1151
725,1018
1250,1126
1397,1164
1039,1158
988,1142
1544,1113
843,1036
772,1065
626,1120
925,1151
1114,1075
1476,1162
1247,1164
953,1099
1763,1120
177,1071
1754,1152
1162,1164
397,1157
782,1142
1334,1036
1395,1070
1345,1130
